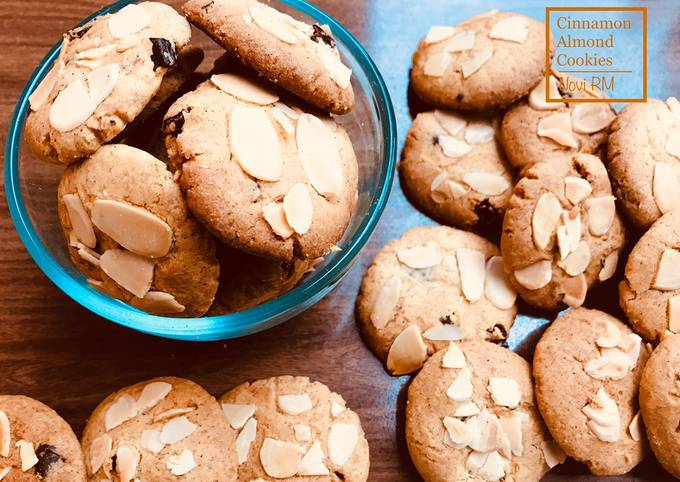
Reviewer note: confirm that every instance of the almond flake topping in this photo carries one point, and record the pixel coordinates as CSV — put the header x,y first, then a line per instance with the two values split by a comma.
x,y
238,414
27,454
603,417
4,472
127,459
436,64
577,261
443,332
294,404
124,408
558,128
575,290
497,287
408,352
512,429
158,302
534,276
319,155
151,441
303,433
576,189
298,208
450,121
5,435
342,440
471,265
336,408
537,96
479,133
420,257
312,462
478,59
601,212
283,120
272,21
668,273
276,218
245,89
80,221
128,20
673,314
553,454
461,388
461,41
611,336
591,117
177,429
96,53
152,394
255,143
545,218
180,464
99,452
330,58
130,271
665,187
172,413
279,459
438,188
457,189
386,302
452,147
41,93
512,29
635,428
459,432
505,391
609,266
454,357
467,409
438,33
487,183
244,440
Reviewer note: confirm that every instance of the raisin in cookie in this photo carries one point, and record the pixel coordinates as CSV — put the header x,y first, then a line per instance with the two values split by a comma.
x,y
299,57
107,72
263,177
534,130
587,367
453,169
129,230
485,63
644,159
290,428
431,286
471,415
162,429
561,232
36,443
650,291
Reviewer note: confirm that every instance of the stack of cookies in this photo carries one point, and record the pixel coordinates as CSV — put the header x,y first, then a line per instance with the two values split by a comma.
x,y
259,181
562,186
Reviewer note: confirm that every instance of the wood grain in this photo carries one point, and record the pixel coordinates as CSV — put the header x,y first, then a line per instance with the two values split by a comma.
x,y
56,351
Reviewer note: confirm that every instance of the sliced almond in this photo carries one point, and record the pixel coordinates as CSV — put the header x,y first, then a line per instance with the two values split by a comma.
x,y
101,82
577,261
42,92
128,20
601,212
563,241
5,435
673,314
339,72
319,155
420,257
450,121
471,265
453,357
312,462
408,352
609,266
245,89
27,454
534,276
438,189
452,147
298,208
487,183
457,189
124,408
512,428
443,332
467,409
294,404
133,227
611,336
665,187
152,394
245,439
272,21
479,133
558,128
180,464
436,64
88,255
537,96
476,461
668,273
459,432
238,414
603,417
127,459
487,434
342,440
553,454
673,105
588,118
635,428
279,459
132,272
96,53
497,287
127,42
80,220
100,449
283,120
276,218
512,29
504,391
177,429
303,433
172,413
575,290
461,388
478,59
159,303
461,41
151,440
545,218
336,408
5,472
438,33
255,143
576,189
386,302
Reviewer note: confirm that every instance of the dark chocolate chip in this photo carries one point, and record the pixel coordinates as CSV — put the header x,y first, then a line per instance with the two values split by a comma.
x,y
435,140
114,463
163,53
78,32
339,475
47,457
321,35
448,319
173,125
498,334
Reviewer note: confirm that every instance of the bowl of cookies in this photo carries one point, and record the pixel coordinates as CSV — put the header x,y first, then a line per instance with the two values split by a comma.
x,y
201,170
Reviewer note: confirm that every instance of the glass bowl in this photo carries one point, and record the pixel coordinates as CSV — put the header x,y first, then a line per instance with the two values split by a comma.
x,y
31,187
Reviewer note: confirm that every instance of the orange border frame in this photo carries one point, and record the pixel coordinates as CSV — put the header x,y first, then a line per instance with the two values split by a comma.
x,y
548,59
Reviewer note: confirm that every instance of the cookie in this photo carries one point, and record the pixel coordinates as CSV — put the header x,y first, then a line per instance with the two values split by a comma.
x,y
471,415
561,232
36,443
107,72
290,428
485,63
299,57
129,230
160,429
432,286
453,169
658,403
247,281
534,130
644,159
650,290
587,367
265,178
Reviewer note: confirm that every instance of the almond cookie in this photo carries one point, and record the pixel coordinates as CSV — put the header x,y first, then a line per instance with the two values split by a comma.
x,y
587,367
471,415
644,159
561,231
36,443
453,169
264,177
432,286
299,57
534,130
650,291
290,428
106,73
129,230
166,428
485,63
659,403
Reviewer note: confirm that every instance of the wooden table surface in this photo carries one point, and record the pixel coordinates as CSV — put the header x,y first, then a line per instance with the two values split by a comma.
x,y
56,351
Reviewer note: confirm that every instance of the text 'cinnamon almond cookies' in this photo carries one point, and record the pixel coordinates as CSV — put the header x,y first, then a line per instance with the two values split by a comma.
x,y
587,367
485,63
453,169
36,443
299,57
290,428
471,415
166,428
432,286
129,230
265,177
106,74
561,231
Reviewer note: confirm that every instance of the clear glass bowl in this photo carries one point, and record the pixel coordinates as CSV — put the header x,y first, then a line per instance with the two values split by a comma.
x,y
31,187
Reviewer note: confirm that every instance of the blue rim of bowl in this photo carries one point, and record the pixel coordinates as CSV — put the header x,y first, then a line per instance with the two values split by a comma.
x,y
211,328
